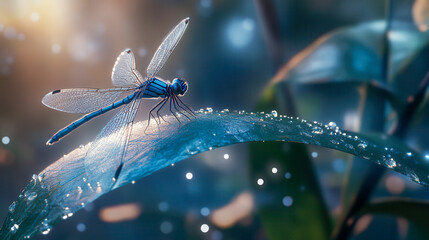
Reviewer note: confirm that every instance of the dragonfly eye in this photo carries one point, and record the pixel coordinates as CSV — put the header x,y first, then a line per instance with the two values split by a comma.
x,y
177,89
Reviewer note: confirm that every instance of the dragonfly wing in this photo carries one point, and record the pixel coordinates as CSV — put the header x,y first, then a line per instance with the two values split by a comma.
x,y
104,158
166,48
82,100
124,73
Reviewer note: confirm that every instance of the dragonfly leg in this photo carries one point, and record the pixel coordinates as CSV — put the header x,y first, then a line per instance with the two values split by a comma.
x,y
180,123
180,103
159,109
151,114
176,102
189,110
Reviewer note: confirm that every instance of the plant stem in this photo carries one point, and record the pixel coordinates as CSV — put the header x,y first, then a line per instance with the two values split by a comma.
x,y
270,24
375,172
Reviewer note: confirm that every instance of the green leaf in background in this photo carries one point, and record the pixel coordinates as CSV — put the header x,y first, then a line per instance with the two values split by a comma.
x,y
66,186
416,211
354,54
309,217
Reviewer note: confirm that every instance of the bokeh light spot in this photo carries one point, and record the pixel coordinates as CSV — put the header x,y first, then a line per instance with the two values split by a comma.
x,y
205,211
314,154
240,32
81,227
189,175
166,227
395,185
287,201
205,228
5,140
35,16
56,48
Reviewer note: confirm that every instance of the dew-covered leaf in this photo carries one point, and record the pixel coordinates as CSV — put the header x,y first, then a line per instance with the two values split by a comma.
x,y
65,186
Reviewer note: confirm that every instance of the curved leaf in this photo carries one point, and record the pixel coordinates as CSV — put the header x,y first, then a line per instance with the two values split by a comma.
x,y
64,187
354,54
414,210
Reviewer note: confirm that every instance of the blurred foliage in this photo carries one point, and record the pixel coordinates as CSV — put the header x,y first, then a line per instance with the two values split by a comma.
x,y
414,210
356,56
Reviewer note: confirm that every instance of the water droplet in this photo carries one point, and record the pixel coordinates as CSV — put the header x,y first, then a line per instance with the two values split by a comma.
x,y
362,145
314,154
274,170
12,207
14,228
260,181
31,196
226,156
391,163
274,113
332,124
46,228
133,182
317,130
409,154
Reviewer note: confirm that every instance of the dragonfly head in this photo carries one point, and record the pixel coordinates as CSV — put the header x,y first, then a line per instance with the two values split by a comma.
x,y
179,87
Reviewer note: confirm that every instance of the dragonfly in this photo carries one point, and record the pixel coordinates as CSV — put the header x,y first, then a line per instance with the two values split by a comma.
x,y
127,80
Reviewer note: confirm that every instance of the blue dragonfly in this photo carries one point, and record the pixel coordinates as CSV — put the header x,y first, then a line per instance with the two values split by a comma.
x,y
127,80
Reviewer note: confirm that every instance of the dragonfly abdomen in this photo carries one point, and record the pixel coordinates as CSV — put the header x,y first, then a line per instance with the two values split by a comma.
x,y
72,126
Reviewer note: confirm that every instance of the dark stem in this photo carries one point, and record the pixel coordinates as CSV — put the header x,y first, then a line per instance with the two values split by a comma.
x,y
270,23
374,175
375,172
413,104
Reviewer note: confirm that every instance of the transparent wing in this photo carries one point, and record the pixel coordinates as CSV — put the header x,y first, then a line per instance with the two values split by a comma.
x,y
166,48
105,156
82,100
124,73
